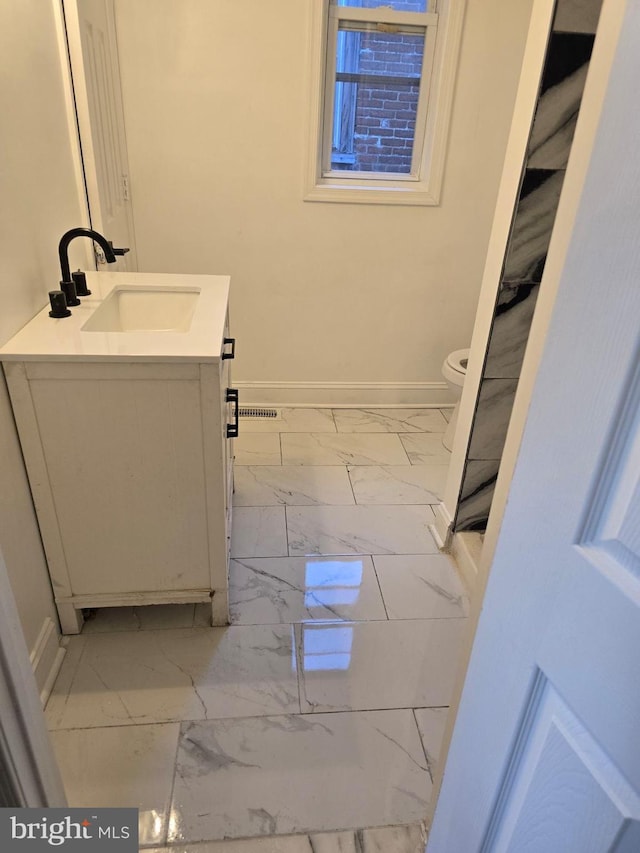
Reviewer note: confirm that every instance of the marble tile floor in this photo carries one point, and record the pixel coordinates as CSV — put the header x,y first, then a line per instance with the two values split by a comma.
x,y
313,722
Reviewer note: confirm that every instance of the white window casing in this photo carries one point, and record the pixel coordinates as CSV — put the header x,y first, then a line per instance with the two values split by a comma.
x,y
422,185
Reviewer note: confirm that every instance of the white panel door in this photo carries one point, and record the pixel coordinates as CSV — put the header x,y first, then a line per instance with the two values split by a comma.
x,y
93,51
545,756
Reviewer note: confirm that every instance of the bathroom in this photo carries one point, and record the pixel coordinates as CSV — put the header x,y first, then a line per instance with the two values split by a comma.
x,y
343,304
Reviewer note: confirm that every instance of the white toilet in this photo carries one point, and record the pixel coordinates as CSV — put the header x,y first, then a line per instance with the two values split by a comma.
x,y
454,370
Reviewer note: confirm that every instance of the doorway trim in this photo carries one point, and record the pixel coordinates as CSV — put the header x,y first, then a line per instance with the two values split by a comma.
x,y
29,775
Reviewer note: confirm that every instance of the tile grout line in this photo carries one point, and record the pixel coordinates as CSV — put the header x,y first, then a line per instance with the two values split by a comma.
x,y
135,725
353,491
173,780
424,750
297,650
286,533
375,571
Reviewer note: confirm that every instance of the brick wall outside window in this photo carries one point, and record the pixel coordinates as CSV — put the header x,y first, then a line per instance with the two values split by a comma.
x,y
385,115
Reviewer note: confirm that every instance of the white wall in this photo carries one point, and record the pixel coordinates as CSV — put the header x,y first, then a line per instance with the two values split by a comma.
x,y
39,202
216,98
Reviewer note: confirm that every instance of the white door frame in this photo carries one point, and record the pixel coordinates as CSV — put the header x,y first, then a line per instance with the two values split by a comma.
x,y
29,774
593,102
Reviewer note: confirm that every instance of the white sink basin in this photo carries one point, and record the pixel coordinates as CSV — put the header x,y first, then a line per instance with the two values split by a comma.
x,y
129,308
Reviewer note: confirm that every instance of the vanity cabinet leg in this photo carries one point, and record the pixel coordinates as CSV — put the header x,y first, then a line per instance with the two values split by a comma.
x,y
71,620
220,607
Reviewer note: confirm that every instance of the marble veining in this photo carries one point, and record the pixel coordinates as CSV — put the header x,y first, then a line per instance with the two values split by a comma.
x,y
423,586
533,224
431,725
491,420
360,530
374,665
342,449
389,420
259,531
295,485
162,676
266,775
384,839
425,449
510,330
476,496
398,484
296,589
257,449
555,122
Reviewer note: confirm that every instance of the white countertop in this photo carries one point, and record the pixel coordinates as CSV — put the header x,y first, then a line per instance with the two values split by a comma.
x,y
46,339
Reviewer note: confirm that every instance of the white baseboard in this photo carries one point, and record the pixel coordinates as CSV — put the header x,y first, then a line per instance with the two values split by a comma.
x,y
441,528
466,548
46,658
377,395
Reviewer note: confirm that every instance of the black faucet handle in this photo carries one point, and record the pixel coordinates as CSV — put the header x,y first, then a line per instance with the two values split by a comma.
x,y
118,251
80,280
69,290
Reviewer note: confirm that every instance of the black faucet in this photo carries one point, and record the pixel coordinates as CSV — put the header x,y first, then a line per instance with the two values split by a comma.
x,y
67,284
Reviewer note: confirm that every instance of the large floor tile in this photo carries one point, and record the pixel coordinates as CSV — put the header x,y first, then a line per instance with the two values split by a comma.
x,y
389,420
420,586
431,725
259,532
360,530
425,448
297,589
342,449
190,674
369,665
256,449
393,839
291,420
295,485
397,484
269,844
154,616
123,766
382,839
273,775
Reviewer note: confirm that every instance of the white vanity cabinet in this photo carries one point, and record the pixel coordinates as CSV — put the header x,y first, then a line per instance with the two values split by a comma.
x,y
130,464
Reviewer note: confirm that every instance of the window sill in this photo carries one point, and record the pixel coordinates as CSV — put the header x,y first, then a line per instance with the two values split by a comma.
x,y
413,194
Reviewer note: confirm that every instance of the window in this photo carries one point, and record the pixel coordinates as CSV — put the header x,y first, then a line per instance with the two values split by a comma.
x,y
383,72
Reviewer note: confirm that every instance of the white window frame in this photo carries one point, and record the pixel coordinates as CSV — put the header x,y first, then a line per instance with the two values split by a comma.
x,y
422,186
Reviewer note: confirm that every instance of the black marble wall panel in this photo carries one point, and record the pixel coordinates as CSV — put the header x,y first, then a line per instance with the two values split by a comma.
x,y
480,481
577,16
562,83
532,225
559,100
510,329
493,412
